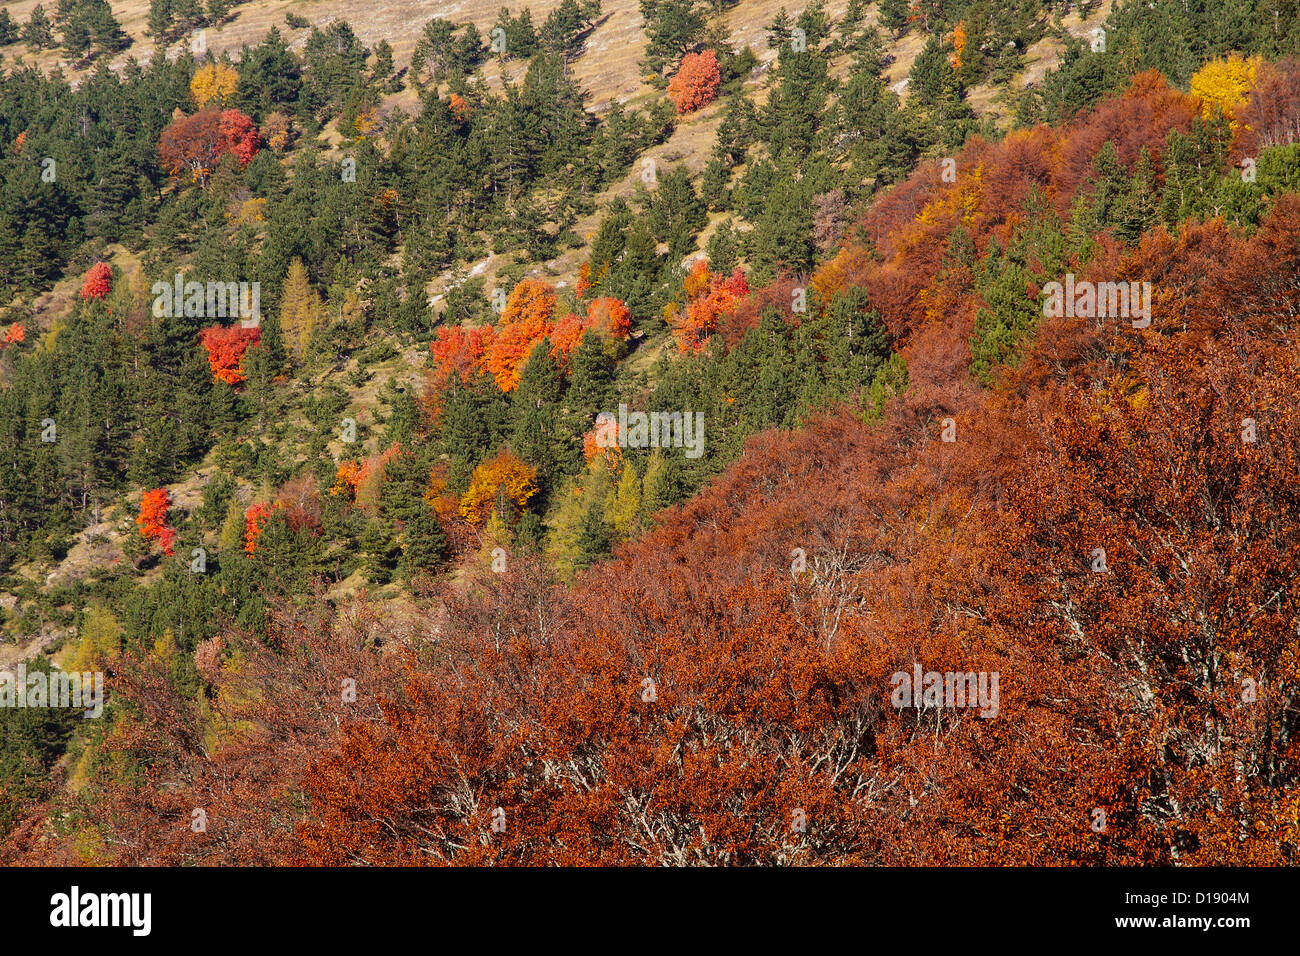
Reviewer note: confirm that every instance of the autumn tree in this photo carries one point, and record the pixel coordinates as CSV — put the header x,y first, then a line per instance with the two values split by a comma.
x,y
708,297
255,517
214,84
152,519
195,143
696,81
226,346
526,320
98,281
498,484
301,308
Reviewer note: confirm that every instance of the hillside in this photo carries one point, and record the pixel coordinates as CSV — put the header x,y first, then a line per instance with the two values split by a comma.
x,y
833,237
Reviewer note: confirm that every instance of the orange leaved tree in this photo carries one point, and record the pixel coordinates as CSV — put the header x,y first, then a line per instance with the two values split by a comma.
x,y
527,319
696,81
226,345
152,519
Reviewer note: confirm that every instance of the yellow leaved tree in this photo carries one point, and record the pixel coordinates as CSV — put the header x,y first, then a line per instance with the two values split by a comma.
x,y
301,309
498,482
214,83
1225,85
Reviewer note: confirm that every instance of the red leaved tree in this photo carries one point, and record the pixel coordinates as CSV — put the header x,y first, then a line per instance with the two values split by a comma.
x,y
226,345
254,521
98,281
152,519
709,296
196,143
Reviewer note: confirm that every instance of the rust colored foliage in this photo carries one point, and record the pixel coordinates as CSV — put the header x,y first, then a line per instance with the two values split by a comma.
x,y
567,336
226,345
195,143
299,499
98,281
17,332
459,350
502,351
696,82
1271,116
682,700
152,519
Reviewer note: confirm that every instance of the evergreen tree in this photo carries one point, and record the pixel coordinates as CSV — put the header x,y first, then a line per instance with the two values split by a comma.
x,y
893,16
594,537
8,28
160,19
424,543
269,77
39,32
591,388
723,250
673,28
1140,207
379,549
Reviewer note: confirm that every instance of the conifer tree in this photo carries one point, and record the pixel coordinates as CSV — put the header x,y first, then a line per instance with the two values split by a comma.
x,y
301,309
38,33
8,28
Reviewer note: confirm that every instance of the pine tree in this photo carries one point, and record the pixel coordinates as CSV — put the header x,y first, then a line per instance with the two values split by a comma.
x,y
723,250
592,378
713,184
269,77
160,19
424,543
673,28
39,32
893,16
1140,207
8,29
594,538
928,79
380,551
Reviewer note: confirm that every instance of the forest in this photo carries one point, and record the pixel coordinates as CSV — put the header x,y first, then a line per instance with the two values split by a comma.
x,y
317,362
